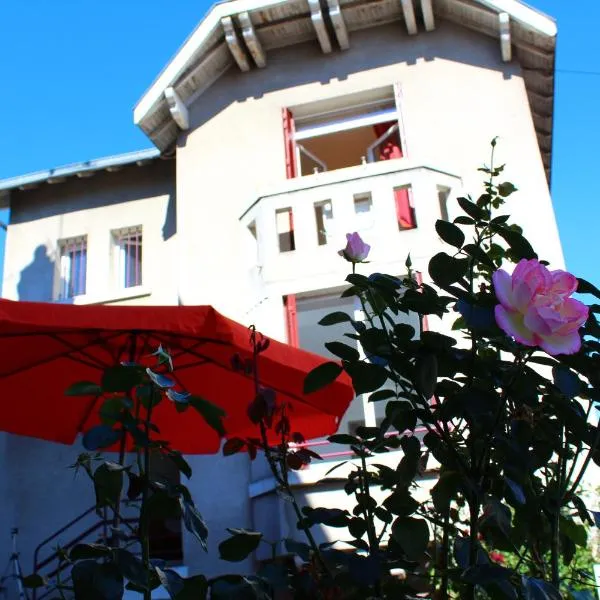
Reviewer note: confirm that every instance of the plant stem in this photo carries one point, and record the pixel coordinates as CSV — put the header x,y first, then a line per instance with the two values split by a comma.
x,y
282,478
555,548
473,530
445,552
144,533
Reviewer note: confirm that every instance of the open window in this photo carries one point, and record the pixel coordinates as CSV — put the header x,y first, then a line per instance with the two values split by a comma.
x,y
342,132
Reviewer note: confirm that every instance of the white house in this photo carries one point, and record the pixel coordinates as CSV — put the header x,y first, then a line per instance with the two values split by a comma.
x,y
279,126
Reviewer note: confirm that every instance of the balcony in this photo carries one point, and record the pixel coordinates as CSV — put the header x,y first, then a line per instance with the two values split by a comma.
x,y
300,225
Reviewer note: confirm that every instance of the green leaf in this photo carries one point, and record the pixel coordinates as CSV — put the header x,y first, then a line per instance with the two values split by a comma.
x,y
401,415
357,527
343,438
366,377
426,368
412,535
34,581
85,551
110,411
239,545
585,287
108,482
300,548
343,351
401,503
84,388
566,381
472,209
333,517
575,531
382,395
132,568
537,589
100,436
194,522
233,446
97,581
516,490
194,588
160,380
506,188
485,575
462,220
479,255
446,270
180,462
519,246
450,233
334,318
321,376
445,490
121,378
211,413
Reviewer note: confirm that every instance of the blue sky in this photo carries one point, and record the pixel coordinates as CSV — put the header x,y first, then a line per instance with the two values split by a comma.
x,y
72,71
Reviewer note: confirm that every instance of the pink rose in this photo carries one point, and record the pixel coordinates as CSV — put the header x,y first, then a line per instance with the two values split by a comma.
x,y
356,250
535,307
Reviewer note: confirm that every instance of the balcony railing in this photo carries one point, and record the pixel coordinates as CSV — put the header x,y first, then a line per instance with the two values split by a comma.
x,y
300,225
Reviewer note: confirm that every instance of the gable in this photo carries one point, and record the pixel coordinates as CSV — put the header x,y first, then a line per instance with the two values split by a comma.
x,y
240,34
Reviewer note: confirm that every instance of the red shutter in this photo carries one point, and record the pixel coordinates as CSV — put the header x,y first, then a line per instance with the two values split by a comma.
x,y
291,319
404,211
288,140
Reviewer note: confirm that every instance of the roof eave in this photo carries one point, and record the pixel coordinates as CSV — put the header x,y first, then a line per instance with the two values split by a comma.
x,y
88,167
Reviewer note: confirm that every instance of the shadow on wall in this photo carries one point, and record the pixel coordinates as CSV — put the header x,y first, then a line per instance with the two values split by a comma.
x,y
36,282
170,226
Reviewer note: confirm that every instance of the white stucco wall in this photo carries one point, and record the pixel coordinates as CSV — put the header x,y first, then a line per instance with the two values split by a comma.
x,y
457,95
94,207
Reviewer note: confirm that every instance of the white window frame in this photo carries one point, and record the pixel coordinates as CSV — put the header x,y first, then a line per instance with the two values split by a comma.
x,y
120,256
335,126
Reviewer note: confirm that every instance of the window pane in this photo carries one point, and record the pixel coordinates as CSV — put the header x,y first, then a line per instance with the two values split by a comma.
x,y
285,229
73,268
128,257
324,218
132,255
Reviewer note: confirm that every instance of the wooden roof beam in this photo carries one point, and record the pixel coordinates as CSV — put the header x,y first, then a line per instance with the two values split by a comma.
x,y
252,42
316,16
505,37
408,10
339,25
428,16
177,108
234,44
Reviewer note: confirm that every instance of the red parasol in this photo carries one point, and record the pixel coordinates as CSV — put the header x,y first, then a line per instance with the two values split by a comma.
x,y
44,348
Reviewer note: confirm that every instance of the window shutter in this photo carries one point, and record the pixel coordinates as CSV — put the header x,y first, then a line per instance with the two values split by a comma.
x,y
291,319
404,211
398,98
288,140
